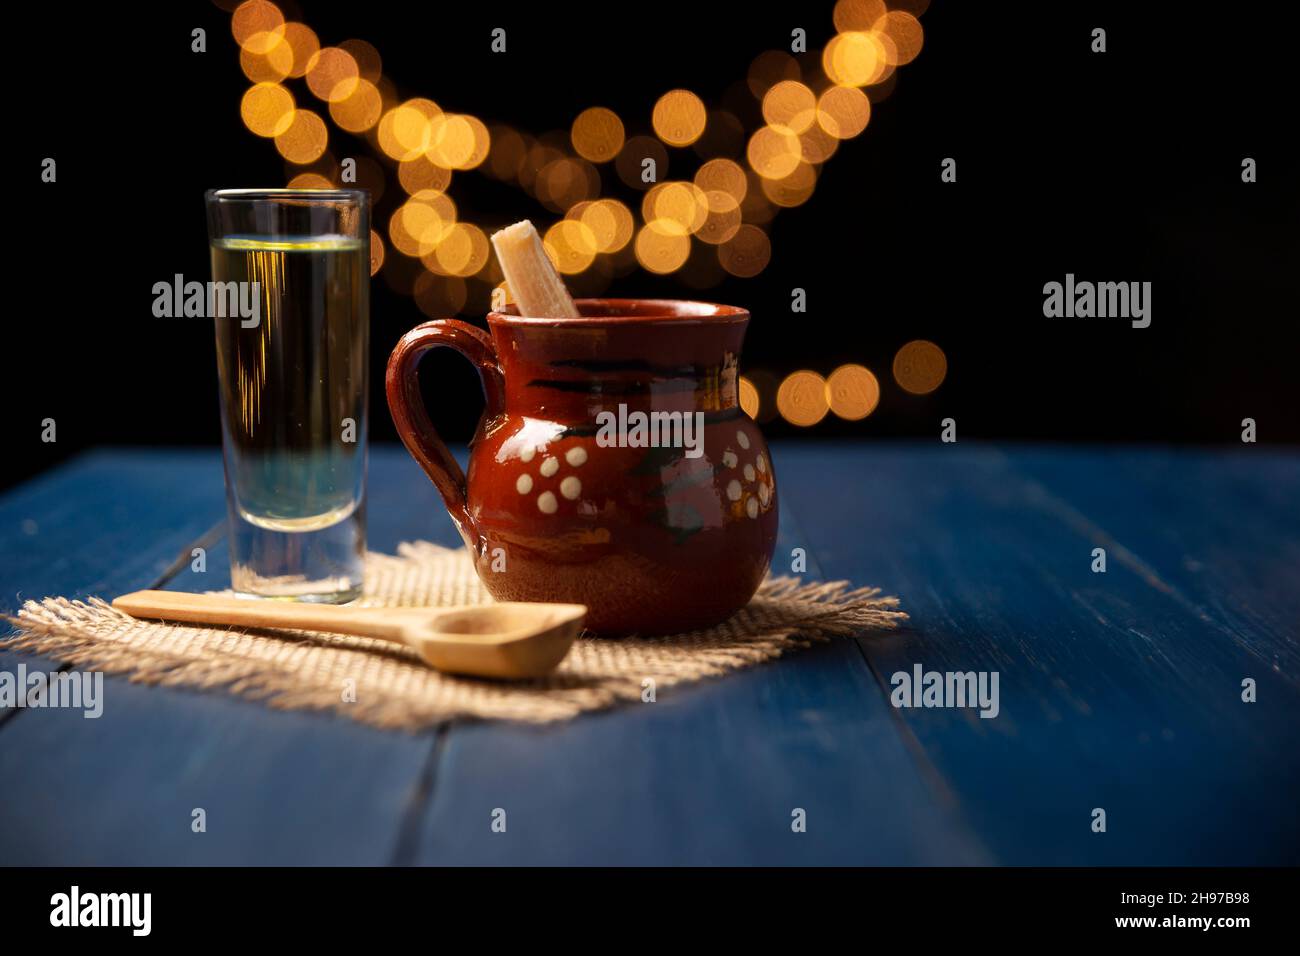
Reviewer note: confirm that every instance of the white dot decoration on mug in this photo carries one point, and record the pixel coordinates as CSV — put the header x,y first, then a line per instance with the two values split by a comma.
x,y
756,493
570,485
751,490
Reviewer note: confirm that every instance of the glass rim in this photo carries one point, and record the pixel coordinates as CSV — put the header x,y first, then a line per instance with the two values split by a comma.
x,y
291,194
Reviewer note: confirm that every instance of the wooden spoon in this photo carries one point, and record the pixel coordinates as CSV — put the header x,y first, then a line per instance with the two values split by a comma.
x,y
509,640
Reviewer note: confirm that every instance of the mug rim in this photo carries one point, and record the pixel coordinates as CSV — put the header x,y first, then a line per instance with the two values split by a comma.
x,y
676,311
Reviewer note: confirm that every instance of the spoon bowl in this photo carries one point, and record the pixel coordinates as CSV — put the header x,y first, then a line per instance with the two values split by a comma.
x,y
507,640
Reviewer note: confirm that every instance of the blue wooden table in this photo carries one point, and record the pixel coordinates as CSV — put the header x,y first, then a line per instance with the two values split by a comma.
x,y
1119,690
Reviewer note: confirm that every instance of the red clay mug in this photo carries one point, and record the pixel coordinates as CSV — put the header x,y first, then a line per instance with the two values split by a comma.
x,y
613,465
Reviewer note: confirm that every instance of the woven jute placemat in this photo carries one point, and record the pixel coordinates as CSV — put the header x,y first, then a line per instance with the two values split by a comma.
x,y
386,685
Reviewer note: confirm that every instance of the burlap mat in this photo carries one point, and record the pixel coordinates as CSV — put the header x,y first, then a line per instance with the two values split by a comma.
x,y
385,685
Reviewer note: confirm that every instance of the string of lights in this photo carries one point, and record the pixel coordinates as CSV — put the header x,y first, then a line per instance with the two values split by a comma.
x,y
699,229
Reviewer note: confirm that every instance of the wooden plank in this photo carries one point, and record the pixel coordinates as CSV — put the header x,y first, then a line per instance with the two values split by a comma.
x,y
1235,566
283,788
708,774
277,787
75,531
1114,692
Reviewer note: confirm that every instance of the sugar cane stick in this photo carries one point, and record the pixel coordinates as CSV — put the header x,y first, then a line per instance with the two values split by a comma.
x,y
537,288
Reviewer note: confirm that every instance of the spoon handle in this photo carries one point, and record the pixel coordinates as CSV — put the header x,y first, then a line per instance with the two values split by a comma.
x,y
210,609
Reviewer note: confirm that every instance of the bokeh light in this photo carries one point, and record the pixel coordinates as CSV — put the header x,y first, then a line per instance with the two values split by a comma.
x,y
597,134
792,190
266,58
310,181
850,15
302,42
843,111
858,58
723,220
366,57
405,131
256,19
920,367
610,222
816,145
507,153
458,141
376,252
662,247
419,224
564,182
420,173
536,159
801,398
746,253
461,250
774,152
267,109
904,30
722,175
360,109
791,105
679,206
853,392
332,74
571,245
749,400
679,117
765,385
304,139
746,174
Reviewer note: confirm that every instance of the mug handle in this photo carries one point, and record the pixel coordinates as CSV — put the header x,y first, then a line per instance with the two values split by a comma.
x,y
402,387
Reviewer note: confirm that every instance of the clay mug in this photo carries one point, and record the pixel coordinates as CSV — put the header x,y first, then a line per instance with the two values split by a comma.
x,y
613,465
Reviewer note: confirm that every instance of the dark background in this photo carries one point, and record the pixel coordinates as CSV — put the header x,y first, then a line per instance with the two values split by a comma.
x,y
1122,166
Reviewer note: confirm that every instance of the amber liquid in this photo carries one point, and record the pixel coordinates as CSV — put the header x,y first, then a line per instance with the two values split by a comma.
x,y
294,407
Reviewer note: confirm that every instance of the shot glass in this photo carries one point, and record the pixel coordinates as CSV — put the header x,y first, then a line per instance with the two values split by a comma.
x,y
291,306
